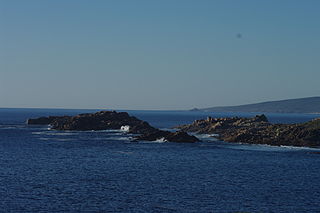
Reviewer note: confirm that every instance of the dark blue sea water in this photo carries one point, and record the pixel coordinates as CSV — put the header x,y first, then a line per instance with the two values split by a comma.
x,y
57,171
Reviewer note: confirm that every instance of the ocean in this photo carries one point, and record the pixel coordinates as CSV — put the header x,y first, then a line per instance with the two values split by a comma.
x,y
42,170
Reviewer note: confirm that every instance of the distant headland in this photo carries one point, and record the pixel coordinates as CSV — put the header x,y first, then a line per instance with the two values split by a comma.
x,y
299,105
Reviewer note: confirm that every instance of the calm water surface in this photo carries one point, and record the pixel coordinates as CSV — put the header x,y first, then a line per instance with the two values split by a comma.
x,y
67,171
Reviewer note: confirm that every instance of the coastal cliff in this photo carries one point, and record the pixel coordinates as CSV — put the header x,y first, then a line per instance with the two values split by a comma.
x,y
258,130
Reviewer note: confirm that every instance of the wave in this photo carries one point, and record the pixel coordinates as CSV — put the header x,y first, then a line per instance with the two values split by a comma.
x,y
153,142
118,138
6,126
38,133
9,127
56,139
55,133
300,148
161,140
109,138
126,153
266,147
45,139
105,130
125,128
64,139
207,137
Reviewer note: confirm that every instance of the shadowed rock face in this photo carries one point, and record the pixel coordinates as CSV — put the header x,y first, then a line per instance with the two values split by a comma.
x,y
105,120
95,121
44,120
101,121
258,130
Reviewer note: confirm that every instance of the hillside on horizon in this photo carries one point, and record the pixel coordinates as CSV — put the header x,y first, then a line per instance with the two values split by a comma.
x,y
299,105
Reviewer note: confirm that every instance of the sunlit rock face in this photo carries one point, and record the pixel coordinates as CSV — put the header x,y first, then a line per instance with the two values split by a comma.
x,y
258,130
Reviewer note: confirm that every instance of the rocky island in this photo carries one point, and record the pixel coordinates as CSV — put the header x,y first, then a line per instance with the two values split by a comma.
x,y
112,120
258,130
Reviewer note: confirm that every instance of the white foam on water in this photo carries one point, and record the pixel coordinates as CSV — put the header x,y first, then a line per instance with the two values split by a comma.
x,y
301,148
54,133
151,142
266,147
38,133
117,133
161,140
207,137
125,128
45,139
64,139
62,133
9,127
106,130
118,138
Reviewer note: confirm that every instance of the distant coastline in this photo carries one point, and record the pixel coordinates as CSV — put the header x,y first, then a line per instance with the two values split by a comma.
x,y
309,105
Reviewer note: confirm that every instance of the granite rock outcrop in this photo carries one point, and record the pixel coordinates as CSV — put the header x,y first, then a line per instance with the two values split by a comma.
x,y
112,120
258,130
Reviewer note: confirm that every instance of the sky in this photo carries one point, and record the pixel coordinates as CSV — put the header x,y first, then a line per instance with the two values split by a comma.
x,y
151,54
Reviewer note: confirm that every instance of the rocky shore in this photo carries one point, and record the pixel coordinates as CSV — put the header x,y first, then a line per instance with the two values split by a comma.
x,y
112,120
258,130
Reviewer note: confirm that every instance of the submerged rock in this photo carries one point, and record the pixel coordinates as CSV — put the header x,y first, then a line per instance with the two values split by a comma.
x,y
109,120
258,130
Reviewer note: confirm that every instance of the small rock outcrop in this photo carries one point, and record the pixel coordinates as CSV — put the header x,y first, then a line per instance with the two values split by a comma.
x,y
109,120
179,136
258,130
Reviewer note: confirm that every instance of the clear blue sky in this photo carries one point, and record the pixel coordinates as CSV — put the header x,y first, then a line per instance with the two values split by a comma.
x,y
157,54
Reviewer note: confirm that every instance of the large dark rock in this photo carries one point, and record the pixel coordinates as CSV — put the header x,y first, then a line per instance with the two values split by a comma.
x,y
258,130
109,120
95,121
44,120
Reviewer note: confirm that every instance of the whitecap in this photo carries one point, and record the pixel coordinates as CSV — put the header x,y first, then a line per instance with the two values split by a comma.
x,y
38,133
161,140
105,130
64,139
44,139
61,133
54,133
118,138
125,128
301,148
9,127
207,137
